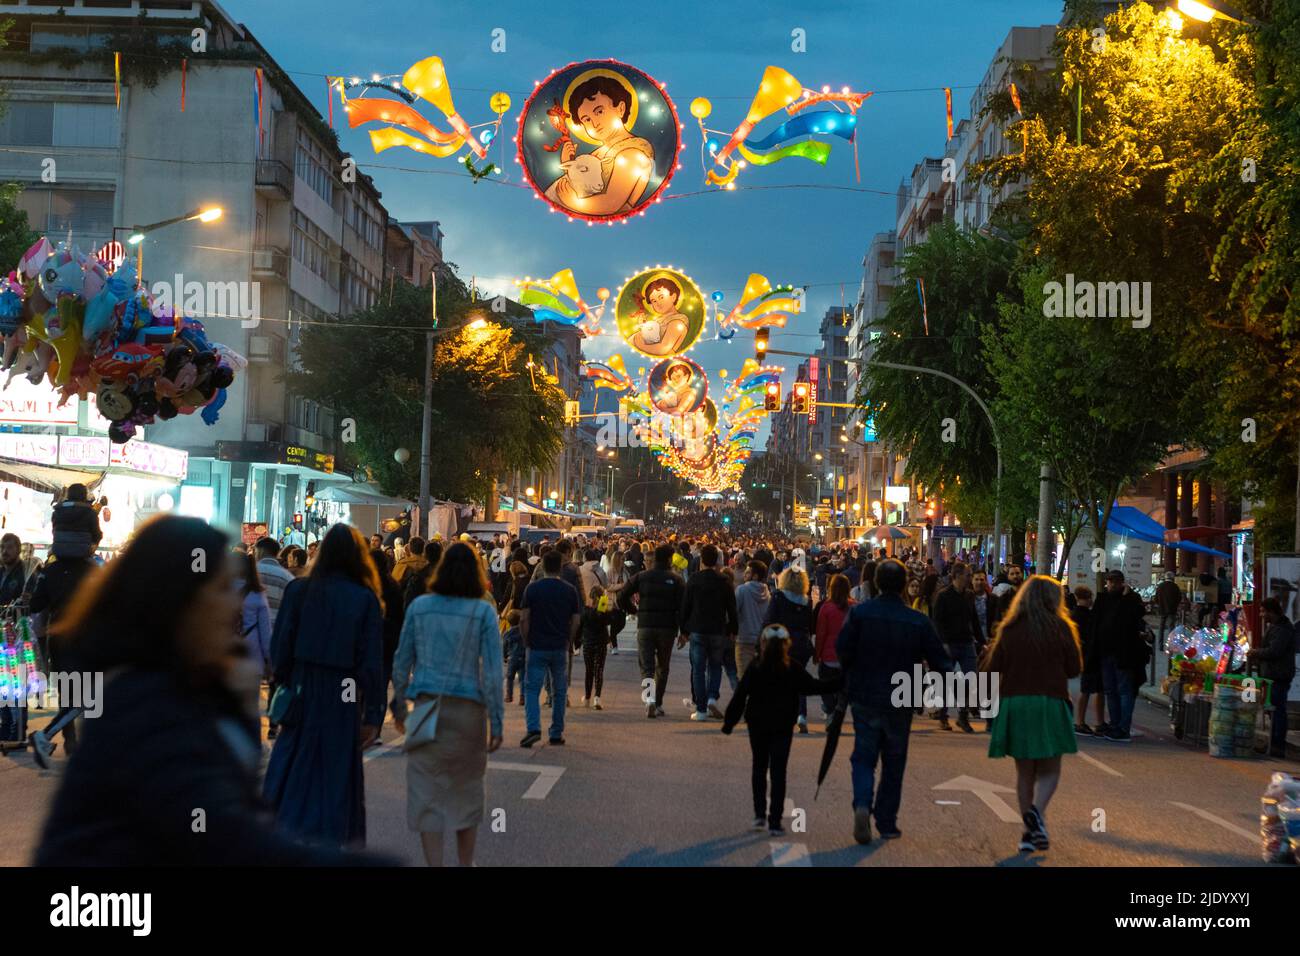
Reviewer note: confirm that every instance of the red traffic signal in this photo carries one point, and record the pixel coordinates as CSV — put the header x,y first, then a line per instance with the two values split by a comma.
x,y
772,399
799,403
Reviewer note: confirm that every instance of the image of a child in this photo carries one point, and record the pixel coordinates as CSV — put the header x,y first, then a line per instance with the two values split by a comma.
x,y
661,328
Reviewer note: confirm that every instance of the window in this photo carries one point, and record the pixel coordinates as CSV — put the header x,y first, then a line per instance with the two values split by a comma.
x,y
313,249
28,123
87,212
313,167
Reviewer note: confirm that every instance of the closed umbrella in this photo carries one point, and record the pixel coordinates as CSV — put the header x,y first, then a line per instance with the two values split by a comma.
x,y
833,728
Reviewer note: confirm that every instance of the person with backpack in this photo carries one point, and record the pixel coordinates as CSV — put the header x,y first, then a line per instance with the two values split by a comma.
x,y
790,608
768,698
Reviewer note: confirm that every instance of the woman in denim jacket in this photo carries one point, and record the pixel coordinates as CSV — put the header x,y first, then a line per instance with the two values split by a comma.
x,y
451,649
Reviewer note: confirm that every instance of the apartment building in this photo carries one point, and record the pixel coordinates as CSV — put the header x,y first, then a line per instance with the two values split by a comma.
x,y
300,237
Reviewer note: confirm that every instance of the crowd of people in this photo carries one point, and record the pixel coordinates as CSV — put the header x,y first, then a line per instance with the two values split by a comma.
x,y
333,642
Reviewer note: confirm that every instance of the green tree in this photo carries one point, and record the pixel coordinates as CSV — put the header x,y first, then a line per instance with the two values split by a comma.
x,y
1107,397
1253,189
494,409
945,434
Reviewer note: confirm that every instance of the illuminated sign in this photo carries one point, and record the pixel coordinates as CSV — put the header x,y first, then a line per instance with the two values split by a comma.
x,y
39,449
22,401
814,377
150,459
898,494
88,451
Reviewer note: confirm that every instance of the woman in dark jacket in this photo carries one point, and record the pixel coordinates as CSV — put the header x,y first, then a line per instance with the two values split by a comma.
x,y
1277,659
328,655
791,609
769,696
178,730
394,613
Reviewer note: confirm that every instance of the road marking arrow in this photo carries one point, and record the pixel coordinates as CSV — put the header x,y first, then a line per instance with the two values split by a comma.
x,y
789,854
987,792
546,777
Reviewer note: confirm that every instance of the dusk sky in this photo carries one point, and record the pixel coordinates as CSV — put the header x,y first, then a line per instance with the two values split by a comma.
x,y
903,52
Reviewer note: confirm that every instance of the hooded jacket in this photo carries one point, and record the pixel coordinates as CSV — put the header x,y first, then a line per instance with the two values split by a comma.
x,y
752,599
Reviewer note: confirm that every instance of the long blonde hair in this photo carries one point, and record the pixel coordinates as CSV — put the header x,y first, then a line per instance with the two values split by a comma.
x,y
792,579
1039,609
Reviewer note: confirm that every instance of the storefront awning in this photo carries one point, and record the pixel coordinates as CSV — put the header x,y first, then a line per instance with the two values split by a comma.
x,y
1132,523
47,478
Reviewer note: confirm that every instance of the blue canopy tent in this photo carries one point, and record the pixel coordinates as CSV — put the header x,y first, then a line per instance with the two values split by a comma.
x,y
1132,523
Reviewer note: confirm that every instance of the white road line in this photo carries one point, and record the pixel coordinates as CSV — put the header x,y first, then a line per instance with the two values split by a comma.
x,y
987,793
546,776
538,790
1207,815
948,803
1098,764
789,854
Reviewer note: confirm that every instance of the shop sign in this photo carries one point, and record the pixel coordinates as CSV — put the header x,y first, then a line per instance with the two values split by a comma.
x,y
150,459
897,494
84,451
32,404
298,455
40,449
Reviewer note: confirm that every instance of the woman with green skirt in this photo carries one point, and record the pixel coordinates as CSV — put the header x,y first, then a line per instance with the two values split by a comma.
x,y
1034,653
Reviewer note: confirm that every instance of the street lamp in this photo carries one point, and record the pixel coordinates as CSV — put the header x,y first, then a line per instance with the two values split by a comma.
x,y
204,214
1207,10
530,491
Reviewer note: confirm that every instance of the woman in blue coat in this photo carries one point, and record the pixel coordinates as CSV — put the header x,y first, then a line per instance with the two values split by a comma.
x,y
327,652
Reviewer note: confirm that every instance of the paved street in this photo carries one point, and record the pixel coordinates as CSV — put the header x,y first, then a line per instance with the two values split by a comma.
x,y
627,791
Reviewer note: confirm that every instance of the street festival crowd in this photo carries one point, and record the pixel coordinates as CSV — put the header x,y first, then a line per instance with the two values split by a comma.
x,y
200,640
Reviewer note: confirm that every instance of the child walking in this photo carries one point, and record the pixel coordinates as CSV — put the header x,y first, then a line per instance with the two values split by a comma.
x,y
596,619
768,698
513,640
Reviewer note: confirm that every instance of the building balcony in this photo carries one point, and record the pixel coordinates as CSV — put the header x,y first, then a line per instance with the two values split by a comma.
x,y
270,262
274,179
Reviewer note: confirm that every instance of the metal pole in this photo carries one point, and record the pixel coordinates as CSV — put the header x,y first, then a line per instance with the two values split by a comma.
x,y
426,427
1046,508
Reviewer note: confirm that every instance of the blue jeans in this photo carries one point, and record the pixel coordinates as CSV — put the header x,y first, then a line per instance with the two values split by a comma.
x,y
963,655
1120,694
554,664
729,664
879,734
706,668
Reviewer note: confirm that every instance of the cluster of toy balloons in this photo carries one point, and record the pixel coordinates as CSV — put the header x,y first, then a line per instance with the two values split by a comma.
x,y
65,319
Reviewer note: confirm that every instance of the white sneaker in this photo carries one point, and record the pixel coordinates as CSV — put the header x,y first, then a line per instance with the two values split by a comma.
x,y
714,711
595,704
758,824
697,715
584,702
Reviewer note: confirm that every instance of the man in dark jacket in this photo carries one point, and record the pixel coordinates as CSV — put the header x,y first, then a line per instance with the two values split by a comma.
x,y
1118,627
1277,657
708,618
1169,598
658,592
882,638
953,614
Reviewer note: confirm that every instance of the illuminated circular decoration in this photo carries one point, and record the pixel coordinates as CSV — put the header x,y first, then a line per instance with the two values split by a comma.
x,y
699,424
659,312
598,140
678,386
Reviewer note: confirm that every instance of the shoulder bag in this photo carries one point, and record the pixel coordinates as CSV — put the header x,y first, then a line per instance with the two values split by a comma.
x,y
422,724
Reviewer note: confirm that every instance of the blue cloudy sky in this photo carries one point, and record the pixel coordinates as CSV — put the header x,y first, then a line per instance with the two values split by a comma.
x,y
903,51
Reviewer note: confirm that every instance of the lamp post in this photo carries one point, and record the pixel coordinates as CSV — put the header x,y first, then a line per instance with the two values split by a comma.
x,y
204,214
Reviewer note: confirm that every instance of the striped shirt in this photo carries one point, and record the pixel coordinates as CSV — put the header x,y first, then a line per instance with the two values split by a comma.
x,y
275,579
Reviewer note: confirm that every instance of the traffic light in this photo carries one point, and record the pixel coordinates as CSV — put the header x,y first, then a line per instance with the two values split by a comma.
x,y
799,403
772,400
760,344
